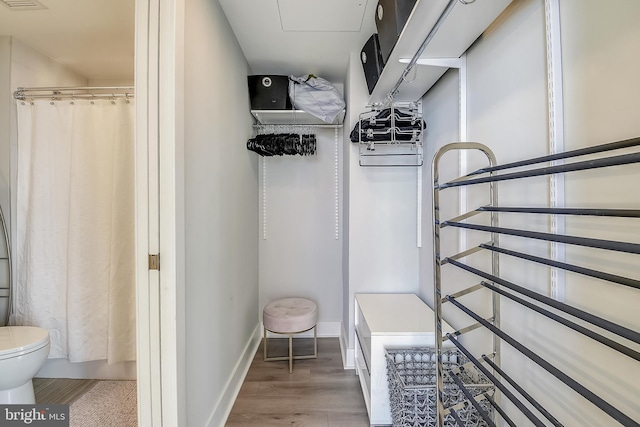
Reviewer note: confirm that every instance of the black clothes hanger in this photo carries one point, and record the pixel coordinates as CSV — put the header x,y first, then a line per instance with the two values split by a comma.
x,y
405,126
283,144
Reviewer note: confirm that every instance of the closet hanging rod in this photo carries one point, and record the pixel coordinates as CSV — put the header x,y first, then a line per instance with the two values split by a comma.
x,y
58,97
443,16
601,148
576,386
23,93
297,126
570,167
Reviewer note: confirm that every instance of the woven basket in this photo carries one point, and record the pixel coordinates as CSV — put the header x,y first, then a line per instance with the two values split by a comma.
x,y
412,388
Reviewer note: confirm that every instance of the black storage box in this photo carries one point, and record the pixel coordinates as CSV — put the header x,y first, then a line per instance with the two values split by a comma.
x,y
391,16
372,61
269,92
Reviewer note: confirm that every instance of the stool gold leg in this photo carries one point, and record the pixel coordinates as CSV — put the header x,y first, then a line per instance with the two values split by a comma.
x,y
290,353
264,345
315,341
291,357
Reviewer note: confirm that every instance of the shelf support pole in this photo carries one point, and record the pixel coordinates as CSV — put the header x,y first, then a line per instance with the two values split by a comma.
x,y
556,136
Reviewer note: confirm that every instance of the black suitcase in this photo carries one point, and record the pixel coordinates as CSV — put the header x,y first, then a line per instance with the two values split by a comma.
x,y
391,16
372,62
269,92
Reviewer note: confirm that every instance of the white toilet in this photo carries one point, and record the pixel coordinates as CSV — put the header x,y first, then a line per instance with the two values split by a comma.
x,y
23,350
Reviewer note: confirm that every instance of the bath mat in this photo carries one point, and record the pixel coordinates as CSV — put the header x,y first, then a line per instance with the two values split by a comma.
x,y
108,403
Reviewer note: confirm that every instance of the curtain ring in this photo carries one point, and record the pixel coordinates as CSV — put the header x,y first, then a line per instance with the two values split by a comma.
x,y
467,1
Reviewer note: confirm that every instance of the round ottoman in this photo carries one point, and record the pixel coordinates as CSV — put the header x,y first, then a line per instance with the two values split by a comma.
x,y
290,316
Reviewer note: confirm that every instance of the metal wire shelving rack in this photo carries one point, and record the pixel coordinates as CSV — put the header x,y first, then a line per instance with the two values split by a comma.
x,y
594,326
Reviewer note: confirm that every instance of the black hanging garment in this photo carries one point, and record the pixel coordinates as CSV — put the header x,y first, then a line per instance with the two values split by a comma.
x,y
405,127
283,144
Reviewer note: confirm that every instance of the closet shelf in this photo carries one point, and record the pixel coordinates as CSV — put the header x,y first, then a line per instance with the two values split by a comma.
x,y
464,24
293,117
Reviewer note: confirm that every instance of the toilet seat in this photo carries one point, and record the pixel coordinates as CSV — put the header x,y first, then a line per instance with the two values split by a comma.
x,y
16,341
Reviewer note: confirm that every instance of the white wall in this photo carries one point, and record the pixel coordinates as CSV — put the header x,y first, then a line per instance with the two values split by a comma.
x,y
221,215
441,113
29,68
600,44
350,95
5,132
383,253
507,89
299,252
110,82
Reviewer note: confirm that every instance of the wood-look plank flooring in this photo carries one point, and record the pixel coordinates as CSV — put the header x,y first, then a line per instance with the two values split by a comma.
x,y
319,392
55,391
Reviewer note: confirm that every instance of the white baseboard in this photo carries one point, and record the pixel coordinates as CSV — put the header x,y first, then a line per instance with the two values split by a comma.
x,y
348,354
325,330
223,407
95,370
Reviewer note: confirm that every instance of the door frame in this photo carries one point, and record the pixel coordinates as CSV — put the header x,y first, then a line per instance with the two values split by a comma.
x,y
159,219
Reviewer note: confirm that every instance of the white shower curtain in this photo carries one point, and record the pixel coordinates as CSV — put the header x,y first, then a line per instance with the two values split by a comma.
x,y
75,227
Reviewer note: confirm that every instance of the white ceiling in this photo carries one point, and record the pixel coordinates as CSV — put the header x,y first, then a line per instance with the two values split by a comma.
x,y
299,37
94,38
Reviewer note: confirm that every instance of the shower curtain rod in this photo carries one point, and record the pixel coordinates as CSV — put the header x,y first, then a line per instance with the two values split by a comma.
x,y
79,92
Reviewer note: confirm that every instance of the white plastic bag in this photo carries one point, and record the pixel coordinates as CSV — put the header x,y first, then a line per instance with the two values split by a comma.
x,y
316,96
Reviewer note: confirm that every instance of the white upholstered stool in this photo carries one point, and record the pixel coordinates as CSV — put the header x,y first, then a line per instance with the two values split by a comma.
x,y
290,316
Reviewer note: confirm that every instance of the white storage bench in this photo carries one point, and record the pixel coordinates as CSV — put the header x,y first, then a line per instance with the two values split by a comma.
x,y
387,320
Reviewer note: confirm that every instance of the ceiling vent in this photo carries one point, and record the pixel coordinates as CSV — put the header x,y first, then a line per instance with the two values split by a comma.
x,y
324,16
23,4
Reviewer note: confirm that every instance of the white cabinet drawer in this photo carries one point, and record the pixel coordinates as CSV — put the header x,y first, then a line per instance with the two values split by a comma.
x,y
363,336
364,374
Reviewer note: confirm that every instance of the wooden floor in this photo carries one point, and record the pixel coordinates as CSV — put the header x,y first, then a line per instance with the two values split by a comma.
x,y
54,391
319,392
